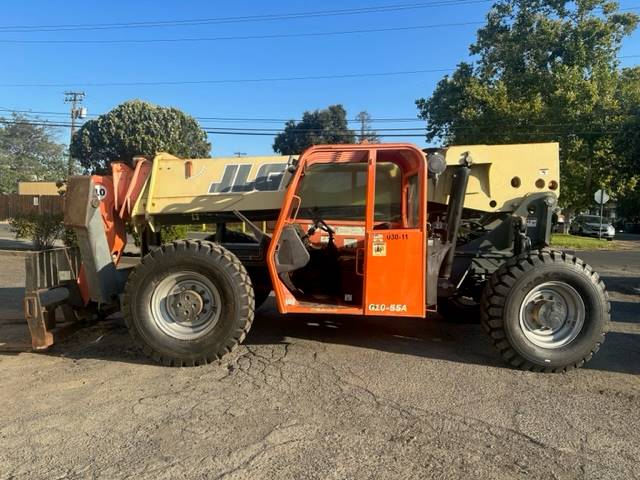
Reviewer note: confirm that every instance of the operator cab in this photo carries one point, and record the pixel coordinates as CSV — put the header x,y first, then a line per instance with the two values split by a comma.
x,y
351,237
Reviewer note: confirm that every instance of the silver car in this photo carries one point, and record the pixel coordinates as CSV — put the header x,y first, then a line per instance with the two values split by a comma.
x,y
589,225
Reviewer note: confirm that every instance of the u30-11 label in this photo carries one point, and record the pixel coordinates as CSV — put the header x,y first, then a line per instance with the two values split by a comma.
x,y
397,236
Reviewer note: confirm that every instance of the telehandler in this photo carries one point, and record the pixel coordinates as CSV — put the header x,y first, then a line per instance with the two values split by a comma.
x,y
371,229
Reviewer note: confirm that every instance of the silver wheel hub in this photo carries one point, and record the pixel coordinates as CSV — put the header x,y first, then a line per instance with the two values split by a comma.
x,y
185,305
552,315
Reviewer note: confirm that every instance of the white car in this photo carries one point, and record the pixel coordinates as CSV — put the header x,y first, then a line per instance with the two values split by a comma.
x,y
589,225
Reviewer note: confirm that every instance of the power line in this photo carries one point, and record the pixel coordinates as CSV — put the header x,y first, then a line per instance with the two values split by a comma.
x,y
228,81
220,119
243,19
245,132
417,135
237,19
236,37
255,120
240,80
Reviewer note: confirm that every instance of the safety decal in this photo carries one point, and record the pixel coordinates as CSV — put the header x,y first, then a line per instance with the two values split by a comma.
x,y
379,246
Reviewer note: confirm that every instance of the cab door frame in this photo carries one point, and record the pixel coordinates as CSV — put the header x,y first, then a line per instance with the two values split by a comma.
x,y
285,300
395,259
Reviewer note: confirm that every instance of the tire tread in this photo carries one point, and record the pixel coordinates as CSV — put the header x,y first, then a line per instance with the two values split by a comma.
x,y
494,299
241,279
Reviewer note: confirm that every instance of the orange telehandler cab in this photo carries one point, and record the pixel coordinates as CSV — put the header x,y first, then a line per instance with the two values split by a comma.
x,y
372,229
378,267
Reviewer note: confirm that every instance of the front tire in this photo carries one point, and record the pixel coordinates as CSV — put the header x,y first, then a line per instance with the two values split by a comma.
x,y
546,311
188,303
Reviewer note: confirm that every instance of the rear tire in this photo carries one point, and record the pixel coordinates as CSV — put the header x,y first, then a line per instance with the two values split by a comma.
x,y
546,311
188,303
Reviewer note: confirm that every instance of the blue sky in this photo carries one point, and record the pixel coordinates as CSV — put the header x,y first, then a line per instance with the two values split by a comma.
x,y
76,64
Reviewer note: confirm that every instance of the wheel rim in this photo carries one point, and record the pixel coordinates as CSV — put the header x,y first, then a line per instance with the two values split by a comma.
x,y
185,305
552,315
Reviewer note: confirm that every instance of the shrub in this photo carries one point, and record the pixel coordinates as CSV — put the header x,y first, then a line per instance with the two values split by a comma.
x,y
42,230
168,233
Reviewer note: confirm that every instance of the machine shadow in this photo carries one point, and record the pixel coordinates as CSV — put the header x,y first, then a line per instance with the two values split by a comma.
x,y
628,285
429,338
433,338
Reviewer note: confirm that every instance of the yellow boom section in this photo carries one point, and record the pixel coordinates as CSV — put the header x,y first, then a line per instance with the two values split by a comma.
x,y
500,176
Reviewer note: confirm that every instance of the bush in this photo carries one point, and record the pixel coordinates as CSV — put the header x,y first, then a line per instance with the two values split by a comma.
x,y
42,230
168,233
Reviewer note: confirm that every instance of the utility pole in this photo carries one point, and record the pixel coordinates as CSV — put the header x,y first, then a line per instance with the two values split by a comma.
x,y
75,99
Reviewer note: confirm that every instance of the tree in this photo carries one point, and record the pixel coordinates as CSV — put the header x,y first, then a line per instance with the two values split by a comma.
x,y
328,126
137,128
547,70
366,134
627,146
28,152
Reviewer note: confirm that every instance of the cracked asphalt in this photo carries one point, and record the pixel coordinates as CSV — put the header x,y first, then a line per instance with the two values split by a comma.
x,y
320,397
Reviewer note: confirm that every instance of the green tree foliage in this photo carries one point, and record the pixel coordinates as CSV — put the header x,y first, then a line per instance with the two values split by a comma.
x,y
137,128
28,152
42,230
328,126
366,133
627,146
547,70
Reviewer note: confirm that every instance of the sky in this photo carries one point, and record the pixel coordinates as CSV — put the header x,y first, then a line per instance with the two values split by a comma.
x,y
426,38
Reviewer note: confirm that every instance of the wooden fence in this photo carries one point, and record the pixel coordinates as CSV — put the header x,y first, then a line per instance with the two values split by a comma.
x,y
14,204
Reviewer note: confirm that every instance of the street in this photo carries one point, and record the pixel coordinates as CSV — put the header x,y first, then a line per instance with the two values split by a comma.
x,y
322,397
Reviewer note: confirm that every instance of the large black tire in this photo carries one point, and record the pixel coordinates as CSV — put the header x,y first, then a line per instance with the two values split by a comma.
x,y
207,335
506,318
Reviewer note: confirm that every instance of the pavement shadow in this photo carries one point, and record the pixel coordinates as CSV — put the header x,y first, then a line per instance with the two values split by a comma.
x,y
109,340
629,285
428,338
10,298
436,339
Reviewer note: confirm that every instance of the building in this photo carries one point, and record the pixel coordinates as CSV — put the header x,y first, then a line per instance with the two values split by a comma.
x,y
38,188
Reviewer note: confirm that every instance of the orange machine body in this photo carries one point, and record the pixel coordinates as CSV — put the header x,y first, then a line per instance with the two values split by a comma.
x,y
117,193
390,261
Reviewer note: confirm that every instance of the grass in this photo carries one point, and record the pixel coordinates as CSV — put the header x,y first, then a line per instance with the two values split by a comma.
x,y
560,240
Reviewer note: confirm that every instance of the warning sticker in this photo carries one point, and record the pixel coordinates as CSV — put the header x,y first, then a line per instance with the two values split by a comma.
x,y
380,249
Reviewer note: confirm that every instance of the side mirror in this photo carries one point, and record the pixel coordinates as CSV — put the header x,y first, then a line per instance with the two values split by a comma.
x,y
436,165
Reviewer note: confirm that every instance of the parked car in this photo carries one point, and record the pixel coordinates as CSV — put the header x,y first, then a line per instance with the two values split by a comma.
x,y
589,225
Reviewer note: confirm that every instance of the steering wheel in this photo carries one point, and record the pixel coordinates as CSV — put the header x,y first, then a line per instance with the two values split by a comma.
x,y
322,225
319,224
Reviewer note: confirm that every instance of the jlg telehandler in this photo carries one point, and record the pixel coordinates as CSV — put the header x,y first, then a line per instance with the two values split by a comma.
x,y
373,229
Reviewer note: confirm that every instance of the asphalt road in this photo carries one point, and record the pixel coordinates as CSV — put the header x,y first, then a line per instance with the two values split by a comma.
x,y
322,397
